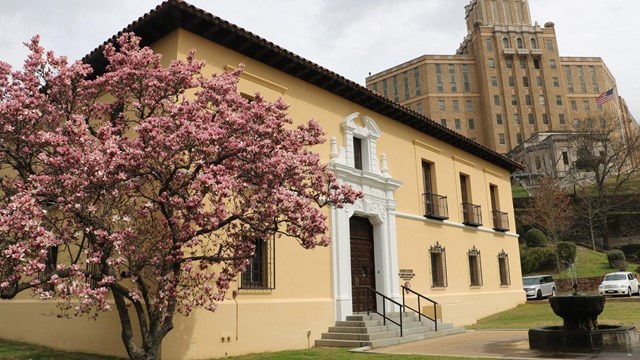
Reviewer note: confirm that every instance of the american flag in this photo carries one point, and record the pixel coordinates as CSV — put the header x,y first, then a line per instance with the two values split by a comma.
x,y
605,96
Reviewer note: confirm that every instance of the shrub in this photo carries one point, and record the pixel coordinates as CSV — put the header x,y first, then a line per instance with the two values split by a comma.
x,y
535,238
615,257
538,259
630,249
566,252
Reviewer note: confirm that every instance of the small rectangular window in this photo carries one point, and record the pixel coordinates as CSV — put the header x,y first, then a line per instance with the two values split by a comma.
x,y
501,139
441,105
525,81
523,64
527,99
542,100
458,124
552,63
536,64
503,264
469,106
512,81
549,45
499,119
496,100
531,119
561,119
559,100
539,81
545,119
456,105
472,124
494,81
585,105
556,82
491,63
443,122
475,268
489,45
438,266
260,272
509,64
357,153
514,100
574,105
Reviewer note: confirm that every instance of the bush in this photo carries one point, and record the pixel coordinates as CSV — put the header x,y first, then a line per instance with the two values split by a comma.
x,y
535,238
566,253
538,259
615,257
630,249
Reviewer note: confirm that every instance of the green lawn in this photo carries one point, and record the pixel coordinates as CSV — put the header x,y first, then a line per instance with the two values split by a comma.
x,y
19,351
337,354
527,316
589,263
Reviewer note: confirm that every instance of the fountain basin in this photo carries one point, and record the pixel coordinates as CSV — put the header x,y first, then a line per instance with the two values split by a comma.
x,y
557,338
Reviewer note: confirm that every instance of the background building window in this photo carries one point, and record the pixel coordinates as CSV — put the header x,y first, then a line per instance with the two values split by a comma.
x,y
499,119
501,139
458,124
438,266
472,124
475,267
260,273
503,264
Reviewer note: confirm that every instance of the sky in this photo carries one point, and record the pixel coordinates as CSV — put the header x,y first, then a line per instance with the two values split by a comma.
x,y
350,37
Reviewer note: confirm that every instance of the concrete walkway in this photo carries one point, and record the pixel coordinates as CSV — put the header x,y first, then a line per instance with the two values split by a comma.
x,y
497,344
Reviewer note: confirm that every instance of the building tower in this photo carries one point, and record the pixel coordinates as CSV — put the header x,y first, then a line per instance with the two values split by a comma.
x,y
507,81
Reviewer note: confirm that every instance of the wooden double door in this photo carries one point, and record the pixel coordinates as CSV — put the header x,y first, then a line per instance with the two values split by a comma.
x,y
362,264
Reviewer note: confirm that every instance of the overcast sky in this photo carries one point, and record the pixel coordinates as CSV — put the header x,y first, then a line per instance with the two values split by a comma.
x,y
349,37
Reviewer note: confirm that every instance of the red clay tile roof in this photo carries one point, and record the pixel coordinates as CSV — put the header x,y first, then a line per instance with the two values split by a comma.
x,y
173,14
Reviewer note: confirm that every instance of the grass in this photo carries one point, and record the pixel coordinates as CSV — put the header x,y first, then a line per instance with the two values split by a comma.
x,y
337,354
19,351
528,316
589,263
518,191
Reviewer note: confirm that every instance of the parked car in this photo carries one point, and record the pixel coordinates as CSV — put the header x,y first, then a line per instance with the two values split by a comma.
x,y
619,283
539,286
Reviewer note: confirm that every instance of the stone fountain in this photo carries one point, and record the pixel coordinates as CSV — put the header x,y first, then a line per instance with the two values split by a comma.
x,y
580,331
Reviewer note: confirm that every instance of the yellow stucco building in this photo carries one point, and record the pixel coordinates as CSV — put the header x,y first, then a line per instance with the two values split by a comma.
x,y
436,215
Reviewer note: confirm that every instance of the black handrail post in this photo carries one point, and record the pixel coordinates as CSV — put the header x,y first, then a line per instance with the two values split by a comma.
x,y
401,327
366,298
419,312
384,312
435,317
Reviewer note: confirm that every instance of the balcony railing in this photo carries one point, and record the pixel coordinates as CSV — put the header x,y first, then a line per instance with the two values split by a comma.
x,y
509,52
500,220
435,206
536,52
471,214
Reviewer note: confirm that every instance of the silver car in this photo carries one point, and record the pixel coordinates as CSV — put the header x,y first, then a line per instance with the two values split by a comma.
x,y
539,286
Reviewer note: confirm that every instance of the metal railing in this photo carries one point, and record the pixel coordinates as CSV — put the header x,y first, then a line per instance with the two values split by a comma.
x,y
435,206
471,214
420,314
384,307
500,220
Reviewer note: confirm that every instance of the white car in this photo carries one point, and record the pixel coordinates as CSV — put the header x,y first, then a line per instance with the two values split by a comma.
x,y
619,283
539,286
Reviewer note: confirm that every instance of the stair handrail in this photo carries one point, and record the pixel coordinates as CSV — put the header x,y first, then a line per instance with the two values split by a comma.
x,y
420,314
384,308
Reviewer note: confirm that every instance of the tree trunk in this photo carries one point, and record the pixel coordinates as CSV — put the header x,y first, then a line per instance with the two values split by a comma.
x,y
150,342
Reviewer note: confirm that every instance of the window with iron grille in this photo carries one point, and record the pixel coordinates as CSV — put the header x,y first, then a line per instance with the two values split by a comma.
x,y
503,264
261,271
475,267
438,266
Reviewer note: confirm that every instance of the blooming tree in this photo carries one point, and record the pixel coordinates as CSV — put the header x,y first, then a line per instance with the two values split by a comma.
x,y
146,186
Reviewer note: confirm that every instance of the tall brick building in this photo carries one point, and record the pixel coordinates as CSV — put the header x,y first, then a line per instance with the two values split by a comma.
x,y
506,82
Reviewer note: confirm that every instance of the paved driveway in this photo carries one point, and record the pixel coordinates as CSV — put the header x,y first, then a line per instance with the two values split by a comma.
x,y
500,344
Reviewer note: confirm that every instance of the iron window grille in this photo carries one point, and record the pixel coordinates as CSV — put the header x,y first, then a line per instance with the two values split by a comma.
x,y
475,267
260,273
438,266
503,264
